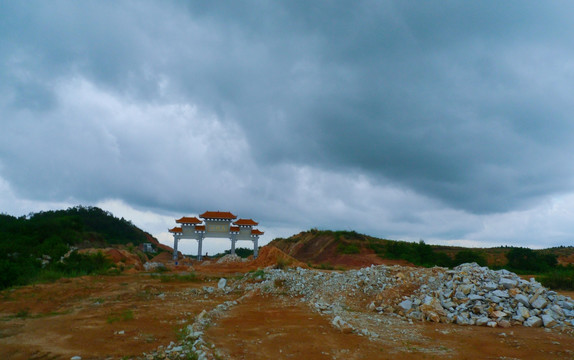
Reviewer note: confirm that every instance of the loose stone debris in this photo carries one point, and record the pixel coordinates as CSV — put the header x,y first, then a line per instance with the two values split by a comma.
x,y
153,266
221,284
229,258
466,295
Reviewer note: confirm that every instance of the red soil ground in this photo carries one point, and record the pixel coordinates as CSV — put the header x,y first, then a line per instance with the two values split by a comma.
x,y
120,317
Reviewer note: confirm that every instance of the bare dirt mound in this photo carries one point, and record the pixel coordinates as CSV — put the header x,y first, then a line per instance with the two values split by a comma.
x,y
345,249
164,257
157,244
566,260
268,256
271,256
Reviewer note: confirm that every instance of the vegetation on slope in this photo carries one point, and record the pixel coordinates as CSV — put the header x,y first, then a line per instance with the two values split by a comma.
x,y
31,247
240,251
351,242
559,278
530,261
520,260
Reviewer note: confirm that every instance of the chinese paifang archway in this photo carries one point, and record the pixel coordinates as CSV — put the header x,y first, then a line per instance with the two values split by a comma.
x,y
215,224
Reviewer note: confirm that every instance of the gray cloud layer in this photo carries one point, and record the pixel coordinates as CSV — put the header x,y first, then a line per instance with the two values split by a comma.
x,y
166,104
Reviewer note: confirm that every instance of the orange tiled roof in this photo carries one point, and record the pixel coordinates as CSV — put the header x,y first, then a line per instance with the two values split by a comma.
x,y
175,230
234,228
257,232
217,215
200,228
246,222
188,220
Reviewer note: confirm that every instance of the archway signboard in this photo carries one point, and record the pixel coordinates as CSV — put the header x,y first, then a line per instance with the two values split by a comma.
x,y
215,224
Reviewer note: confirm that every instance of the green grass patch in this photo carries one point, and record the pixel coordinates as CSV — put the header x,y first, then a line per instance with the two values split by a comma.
x,y
166,278
23,313
258,273
346,248
283,263
123,316
378,247
558,279
325,266
181,334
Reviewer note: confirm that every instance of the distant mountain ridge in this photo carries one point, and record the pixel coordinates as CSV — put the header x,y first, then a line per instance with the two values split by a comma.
x,y
72,226
351,249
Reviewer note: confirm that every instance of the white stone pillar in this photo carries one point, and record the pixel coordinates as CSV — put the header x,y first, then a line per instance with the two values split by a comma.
x,y
199,246
175,241
255,247
233,239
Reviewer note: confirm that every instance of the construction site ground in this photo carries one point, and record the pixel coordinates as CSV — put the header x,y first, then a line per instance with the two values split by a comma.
x,y
124,316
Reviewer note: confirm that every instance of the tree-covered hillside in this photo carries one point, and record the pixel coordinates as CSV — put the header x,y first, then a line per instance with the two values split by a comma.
x,y
27,241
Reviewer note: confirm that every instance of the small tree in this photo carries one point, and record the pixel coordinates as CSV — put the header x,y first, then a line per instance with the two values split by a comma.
x,y
528,260
469,256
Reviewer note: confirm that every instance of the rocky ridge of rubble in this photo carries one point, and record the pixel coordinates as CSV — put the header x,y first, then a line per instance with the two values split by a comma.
x,y
154,266
466,295
192,344
229,258
474,295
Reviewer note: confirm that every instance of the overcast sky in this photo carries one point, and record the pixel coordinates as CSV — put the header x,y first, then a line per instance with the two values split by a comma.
x,y
448,121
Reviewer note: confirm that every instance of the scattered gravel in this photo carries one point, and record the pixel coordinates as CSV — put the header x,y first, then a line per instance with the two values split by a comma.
x,y
466,295
229,259
153,266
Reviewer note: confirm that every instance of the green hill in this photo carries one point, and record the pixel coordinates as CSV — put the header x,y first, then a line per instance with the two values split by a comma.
x,y
33,244
343,248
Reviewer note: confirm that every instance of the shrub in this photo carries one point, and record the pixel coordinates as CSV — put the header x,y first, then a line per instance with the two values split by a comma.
x,y
345,248
23,313
18,271
282,263
419,253
378,247
442,259
524,259
123,316
241,252
350,235
469,256
259,273
77,264
326,266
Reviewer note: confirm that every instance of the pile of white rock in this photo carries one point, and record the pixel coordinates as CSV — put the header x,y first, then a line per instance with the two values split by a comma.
x,y
229,258
467,295
317,285
474,295
153,266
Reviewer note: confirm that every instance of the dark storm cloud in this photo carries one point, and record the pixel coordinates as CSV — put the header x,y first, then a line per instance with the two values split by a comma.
x,y
466,103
